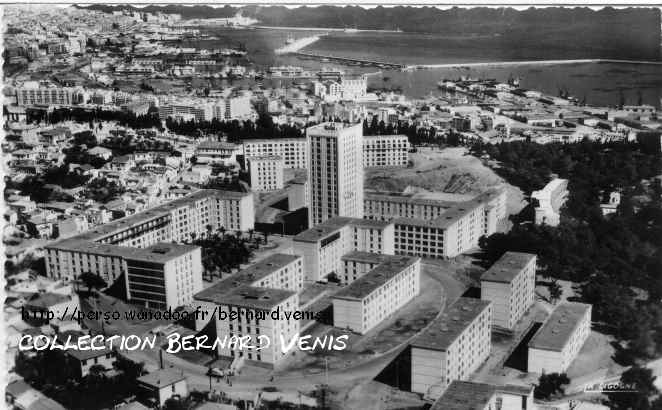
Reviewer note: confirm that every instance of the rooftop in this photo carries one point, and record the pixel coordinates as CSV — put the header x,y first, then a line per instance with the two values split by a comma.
x,y
46,300
368,257
122,224
161,378
253,273
448,218
332,225
159,252
407,199
555,333
332,128
378,276
253,297
449,326
507,267
463,395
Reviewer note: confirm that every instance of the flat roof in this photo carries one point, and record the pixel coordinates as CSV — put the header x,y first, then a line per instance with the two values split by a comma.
x,y
254,297
464,395
127,222
159,252
461,395
330,226
509,265
375,278
332,128
160,378
450,324
407,199
217,293
368,257
555,333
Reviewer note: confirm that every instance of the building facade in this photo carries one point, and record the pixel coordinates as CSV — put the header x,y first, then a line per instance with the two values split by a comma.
x,y
385,151
335,171
452,347
510,285
549,200
49,96
266,172
163,276
217,152
294,151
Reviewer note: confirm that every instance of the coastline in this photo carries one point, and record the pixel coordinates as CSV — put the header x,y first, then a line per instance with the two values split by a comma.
x,y
530,62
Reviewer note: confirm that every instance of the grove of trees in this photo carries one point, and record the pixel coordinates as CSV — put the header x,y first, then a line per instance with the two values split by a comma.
x,y
616,260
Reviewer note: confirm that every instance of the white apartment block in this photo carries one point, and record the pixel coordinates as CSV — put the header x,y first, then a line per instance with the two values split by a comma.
x,y
217,152
453,233
397,205
30,95
462,395
163,276
390,206
452,347
550,200
185,110
159,276
385,151
266,172
510,285
294,151
357,263
335,171
556,344
324,245
231,108
277,271
255,307
354,87
174,221
378,294
378,151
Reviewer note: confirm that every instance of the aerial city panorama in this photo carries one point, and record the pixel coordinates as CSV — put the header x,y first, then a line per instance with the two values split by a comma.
x,y
383,207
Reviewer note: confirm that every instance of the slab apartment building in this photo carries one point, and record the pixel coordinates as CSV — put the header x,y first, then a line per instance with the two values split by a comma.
x,y
558,342
510,285
452,347
376,295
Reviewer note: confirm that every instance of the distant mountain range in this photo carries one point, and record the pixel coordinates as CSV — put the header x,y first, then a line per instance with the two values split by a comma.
x,y
631,33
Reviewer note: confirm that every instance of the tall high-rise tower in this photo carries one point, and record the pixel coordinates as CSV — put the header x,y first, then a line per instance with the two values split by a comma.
x,y
335,171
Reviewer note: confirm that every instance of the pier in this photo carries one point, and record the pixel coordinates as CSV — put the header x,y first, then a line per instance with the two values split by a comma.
x,y
351,61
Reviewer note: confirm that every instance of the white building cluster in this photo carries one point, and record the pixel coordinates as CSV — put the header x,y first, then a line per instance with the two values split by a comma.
x,y
158,273
259,294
